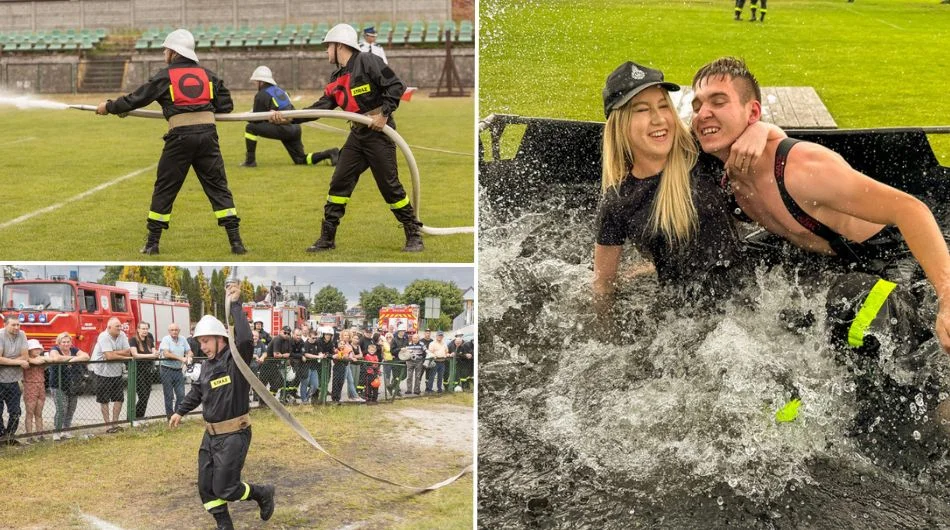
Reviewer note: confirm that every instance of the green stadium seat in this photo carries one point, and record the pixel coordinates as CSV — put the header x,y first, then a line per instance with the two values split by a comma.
x,y
283,40
101,33
141,44
466,31
399,33
433,32
383,32
416,33
320,31
449,26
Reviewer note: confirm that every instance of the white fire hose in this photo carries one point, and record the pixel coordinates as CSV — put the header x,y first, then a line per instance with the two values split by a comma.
x,y
340,115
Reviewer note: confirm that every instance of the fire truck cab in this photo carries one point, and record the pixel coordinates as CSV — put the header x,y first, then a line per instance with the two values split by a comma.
x,y
46,308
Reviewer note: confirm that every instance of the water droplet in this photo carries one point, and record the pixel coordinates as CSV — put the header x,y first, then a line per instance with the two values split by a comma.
x,y
877,503
919,399
719,500
792,487
916,435
893,321
631,512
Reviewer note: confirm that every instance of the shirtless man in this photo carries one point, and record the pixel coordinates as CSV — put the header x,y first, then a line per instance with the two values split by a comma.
x,y
812,197
828,206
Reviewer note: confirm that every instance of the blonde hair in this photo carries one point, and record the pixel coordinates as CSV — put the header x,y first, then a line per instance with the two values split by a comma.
x,y
674,213
61,336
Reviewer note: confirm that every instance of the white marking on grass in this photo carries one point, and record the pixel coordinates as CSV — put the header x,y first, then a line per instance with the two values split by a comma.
x,y
331,128
98,523
886,23
74,198
20,141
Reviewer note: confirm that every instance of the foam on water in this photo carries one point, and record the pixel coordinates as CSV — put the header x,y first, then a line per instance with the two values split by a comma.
x,y
23,102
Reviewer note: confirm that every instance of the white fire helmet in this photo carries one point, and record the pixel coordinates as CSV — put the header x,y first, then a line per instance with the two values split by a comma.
x,y
263,73
183,42
325,330
344,34
208,325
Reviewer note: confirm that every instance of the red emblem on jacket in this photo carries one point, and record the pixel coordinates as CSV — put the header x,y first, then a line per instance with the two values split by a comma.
x,y
190,86
339,90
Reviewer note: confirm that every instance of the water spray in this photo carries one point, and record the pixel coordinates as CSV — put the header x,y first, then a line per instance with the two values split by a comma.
x,y
337,114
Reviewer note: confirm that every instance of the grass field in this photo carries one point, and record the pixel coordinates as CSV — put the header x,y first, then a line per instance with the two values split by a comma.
x,y
874,63
51,157
145,478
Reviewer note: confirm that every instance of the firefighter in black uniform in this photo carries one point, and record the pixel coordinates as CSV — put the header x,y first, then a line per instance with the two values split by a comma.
x,y
190,95
271,97
363,84
741,3
222,392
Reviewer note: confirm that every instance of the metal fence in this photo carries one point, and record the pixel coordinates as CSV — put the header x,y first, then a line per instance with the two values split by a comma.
x,y
72,396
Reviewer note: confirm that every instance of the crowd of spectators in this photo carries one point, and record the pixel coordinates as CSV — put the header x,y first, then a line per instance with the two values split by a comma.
x,y
371,364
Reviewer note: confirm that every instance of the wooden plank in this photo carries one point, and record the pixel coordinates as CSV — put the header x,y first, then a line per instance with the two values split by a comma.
x,y
823,118
803,107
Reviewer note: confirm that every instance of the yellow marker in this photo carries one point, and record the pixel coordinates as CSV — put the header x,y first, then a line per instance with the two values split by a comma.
x,y
221,381
788,412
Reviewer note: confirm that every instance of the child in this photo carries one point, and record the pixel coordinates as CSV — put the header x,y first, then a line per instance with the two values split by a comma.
x,y
34,393
372,372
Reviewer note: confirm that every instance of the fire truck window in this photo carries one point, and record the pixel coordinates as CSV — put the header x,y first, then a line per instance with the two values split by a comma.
x,y
89,301
118,303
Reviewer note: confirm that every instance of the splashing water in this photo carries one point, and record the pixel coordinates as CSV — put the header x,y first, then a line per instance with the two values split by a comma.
x,y
672,422
28,103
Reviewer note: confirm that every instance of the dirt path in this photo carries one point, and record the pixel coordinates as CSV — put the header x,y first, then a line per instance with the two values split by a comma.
x,y
443,426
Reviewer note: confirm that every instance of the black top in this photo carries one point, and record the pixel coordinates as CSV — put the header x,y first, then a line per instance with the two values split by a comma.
x,y
221,389
193,89
712,251
364,83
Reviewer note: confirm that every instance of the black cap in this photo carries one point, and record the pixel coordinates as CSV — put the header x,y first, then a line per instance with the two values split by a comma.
x,y
287,329
628,80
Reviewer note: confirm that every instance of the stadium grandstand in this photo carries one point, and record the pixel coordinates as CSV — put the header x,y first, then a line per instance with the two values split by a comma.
x,y
101,45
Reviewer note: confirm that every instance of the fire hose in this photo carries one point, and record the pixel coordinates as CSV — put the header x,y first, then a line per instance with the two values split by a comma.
x,y
292,422
341,115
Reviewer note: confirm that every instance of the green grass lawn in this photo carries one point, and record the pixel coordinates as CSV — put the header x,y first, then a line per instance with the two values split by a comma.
x,y
145,477
52,156
874,63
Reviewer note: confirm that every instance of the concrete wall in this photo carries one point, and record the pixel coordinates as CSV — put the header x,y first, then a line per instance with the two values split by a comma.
x,y
294,70
49,75
64,14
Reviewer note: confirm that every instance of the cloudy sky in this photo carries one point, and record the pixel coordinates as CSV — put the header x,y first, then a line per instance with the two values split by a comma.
x,y
349,279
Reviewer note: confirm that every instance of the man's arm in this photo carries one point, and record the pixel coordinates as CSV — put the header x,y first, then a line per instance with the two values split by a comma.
x,y
748,148
115,355
141,97
243,339
824,178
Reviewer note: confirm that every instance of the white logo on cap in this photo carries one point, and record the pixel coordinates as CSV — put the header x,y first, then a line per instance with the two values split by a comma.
x,y
637,73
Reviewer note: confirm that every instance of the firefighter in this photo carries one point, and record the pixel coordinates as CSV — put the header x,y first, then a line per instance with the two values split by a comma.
x,y
190,95
271,97
362,83
222,392
741,3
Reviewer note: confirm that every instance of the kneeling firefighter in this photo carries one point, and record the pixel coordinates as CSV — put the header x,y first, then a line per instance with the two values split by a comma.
x,y
223,393
271,97
364,84
190,95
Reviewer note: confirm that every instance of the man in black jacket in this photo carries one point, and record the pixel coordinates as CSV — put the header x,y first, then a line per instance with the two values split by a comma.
x,y
464,361
271,97
222,391
190,95
363,84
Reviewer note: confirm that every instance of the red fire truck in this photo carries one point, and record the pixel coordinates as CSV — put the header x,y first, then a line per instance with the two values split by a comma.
x,y
277,316
392,316
47,308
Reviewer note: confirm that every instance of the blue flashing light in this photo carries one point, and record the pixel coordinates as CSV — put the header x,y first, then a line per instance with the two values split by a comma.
x,y
32,317
43,318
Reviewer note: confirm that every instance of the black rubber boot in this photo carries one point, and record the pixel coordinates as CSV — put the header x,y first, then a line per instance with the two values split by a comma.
x,y
234,237
250,158
327,239
413,238
753,15
224,520
264,495
151,241
333,155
